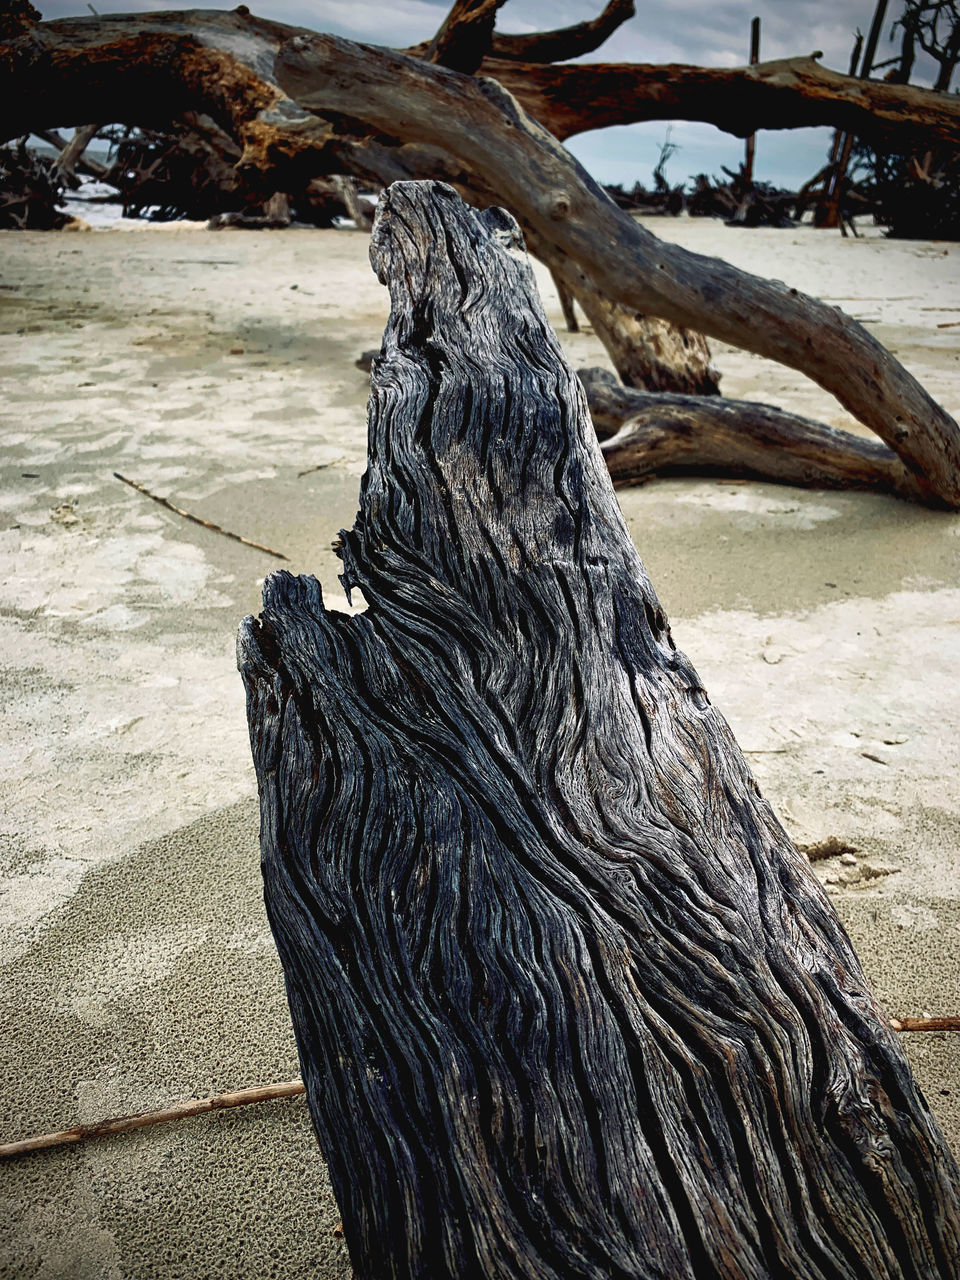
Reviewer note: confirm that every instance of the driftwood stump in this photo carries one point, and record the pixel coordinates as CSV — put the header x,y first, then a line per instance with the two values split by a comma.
x,y
568,1002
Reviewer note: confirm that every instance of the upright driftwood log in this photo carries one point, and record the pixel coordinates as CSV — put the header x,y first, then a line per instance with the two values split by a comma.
x,y
569,1004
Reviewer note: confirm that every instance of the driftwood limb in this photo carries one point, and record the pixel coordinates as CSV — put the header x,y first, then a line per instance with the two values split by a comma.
x,y
464,37
205,524
568,1003
484,127
951,1022
92,168
73,151
143,1119
346,188
648,434
787,94
566,42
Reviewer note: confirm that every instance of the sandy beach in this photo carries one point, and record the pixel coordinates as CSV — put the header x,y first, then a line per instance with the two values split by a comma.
x,y
137,965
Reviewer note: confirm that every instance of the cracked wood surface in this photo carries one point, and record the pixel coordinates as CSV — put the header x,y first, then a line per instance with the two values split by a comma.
x,y
568,1002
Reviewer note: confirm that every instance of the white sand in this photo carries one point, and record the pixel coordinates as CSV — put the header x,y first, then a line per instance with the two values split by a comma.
x,y
138,967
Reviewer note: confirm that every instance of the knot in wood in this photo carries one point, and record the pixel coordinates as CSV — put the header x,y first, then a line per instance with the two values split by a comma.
x,y
559,205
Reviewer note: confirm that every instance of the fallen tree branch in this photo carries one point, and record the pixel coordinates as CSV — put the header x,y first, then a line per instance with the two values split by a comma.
x,y
85,165
479,123
646,434
787,94
71,154
144,1119
346,189
205,524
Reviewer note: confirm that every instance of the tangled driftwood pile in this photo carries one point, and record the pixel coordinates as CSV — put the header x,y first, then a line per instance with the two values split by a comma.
x,y
31,191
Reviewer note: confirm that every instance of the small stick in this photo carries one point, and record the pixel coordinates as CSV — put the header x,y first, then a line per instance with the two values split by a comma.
x,y
951,1022
206,524
142,1119
267,1092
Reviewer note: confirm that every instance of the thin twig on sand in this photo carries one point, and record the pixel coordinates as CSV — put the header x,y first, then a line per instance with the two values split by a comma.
x,y
142,1119
267,1092
206,524
951,1022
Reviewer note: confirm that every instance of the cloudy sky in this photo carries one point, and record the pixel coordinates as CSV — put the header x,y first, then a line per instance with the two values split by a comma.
x,y
708,32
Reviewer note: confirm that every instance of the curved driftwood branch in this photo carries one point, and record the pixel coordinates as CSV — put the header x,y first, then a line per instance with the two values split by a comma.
x,y
464,37
647,434
566,42
787,94
478,122
569,1004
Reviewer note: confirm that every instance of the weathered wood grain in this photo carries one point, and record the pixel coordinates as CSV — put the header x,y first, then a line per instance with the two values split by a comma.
x,y
568,1002
646,434
788,93
480,124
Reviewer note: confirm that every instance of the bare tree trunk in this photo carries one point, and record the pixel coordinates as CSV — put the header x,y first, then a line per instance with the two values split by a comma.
x,y
569,1004
829,212
70,155
751,147
347,190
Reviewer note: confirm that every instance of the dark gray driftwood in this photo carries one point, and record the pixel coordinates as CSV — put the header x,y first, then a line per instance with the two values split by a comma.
x,y
568,1002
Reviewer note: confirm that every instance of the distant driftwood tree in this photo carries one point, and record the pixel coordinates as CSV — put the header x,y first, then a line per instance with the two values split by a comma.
x,y
569,1003
486,112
